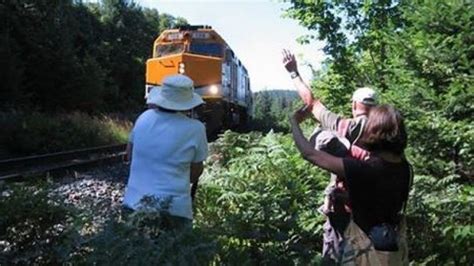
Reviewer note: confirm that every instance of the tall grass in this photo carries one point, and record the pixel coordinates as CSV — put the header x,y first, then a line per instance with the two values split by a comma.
x,y
36,133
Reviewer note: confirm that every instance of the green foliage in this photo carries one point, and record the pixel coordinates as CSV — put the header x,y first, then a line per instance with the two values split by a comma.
x,y
257,204
419,56
35,227
259,197
36,133
441,222
147,236
271,109
260,200
67,55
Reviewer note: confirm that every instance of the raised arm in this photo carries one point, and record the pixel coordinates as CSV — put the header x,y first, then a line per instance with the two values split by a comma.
x,y
304,91
318,158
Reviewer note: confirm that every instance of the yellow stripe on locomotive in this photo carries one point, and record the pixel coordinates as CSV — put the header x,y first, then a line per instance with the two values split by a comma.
x,y
219,77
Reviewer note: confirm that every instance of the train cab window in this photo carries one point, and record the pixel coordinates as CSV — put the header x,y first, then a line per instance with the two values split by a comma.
x,y
229,55
167,49
209,49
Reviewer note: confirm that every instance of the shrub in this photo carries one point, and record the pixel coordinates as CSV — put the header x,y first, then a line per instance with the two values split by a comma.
x,y
440,222
260,200
256,205
147,236
35,227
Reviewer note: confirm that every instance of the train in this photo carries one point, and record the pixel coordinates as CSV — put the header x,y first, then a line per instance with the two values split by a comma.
x,y
219,76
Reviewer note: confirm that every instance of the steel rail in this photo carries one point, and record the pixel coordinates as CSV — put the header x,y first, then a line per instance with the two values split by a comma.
x,y
25,166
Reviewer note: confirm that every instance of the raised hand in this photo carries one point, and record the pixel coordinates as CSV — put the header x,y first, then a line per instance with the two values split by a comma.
x,y
289,61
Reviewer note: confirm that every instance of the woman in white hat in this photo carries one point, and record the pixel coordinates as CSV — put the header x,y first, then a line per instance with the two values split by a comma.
x,y
167,149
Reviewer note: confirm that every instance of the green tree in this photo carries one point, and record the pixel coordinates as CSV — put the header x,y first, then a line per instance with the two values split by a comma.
x,y
419,56
271,109
67,55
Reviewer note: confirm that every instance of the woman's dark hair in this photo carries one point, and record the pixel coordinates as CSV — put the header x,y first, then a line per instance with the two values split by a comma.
x,y
385,130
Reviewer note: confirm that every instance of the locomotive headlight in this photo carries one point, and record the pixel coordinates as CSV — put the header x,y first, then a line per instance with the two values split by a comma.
x,y
181,68
214,89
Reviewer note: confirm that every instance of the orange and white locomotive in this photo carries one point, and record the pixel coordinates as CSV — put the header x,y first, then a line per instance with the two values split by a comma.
x,y
219,77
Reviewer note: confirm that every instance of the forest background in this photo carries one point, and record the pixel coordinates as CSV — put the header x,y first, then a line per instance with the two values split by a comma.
x,y
65,64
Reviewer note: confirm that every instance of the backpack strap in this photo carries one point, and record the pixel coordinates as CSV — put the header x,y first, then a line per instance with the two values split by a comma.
x,y
362,126
343,127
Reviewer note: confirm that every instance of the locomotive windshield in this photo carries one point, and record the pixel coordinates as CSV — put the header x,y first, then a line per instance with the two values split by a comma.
x,y
168,49
205,48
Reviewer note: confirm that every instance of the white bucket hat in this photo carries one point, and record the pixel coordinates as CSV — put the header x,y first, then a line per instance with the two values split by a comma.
x,y
176,93
365,96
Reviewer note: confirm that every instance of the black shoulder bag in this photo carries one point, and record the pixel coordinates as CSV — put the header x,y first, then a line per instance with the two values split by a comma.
x,y
385,236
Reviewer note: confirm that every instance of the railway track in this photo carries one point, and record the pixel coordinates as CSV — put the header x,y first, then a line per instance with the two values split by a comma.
x,y
16,168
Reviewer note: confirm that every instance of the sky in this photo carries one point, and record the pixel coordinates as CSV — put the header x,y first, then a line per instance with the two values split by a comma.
x,y
256,32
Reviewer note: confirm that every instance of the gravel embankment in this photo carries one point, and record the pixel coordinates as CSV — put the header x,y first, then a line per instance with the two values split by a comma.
x,y
97,192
